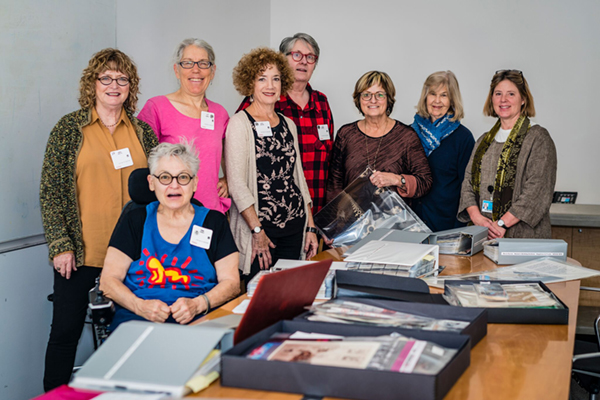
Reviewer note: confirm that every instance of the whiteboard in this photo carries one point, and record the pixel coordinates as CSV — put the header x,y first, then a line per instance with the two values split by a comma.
x,y
45,47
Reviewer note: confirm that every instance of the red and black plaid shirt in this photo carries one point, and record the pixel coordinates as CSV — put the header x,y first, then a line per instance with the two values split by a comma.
x,y
315,153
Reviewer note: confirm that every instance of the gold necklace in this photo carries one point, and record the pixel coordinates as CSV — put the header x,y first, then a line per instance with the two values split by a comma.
x,y
378,147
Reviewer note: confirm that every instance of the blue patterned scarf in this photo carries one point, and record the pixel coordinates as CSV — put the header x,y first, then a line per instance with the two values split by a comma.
x,y
432,133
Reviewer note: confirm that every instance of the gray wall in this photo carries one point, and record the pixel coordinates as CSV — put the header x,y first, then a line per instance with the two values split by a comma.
x,y
554,42
231,27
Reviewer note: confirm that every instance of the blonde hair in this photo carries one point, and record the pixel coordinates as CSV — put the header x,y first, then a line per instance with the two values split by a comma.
x,y
102,61
516,77
375,78
433,82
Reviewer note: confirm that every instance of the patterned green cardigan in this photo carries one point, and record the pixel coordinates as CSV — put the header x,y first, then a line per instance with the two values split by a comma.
x,y
58,192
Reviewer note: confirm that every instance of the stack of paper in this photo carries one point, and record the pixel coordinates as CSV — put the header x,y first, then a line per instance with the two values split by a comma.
x,y
547,270
395,258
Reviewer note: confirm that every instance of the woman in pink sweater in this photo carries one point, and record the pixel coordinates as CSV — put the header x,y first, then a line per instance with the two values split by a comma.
x,y
187,113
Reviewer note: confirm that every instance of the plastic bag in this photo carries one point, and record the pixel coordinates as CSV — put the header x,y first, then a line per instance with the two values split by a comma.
x,y
363,207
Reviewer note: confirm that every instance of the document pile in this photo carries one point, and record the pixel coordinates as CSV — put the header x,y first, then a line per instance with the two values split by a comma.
x,y
349,312
363,207
326,289
497,295
395,258
385,353
547,270
513,251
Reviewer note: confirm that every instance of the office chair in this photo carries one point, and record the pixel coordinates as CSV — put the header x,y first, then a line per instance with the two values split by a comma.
x,y
101,308
586,363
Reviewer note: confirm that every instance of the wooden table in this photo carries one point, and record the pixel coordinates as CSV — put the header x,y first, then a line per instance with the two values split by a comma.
x,y
511,362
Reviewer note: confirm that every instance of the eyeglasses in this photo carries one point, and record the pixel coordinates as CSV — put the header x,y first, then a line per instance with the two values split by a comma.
x,y
183,179
297,56
107,80
507,71
379,96
201,64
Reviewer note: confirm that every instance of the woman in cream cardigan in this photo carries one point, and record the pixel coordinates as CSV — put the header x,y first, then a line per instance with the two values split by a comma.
x,y
270,214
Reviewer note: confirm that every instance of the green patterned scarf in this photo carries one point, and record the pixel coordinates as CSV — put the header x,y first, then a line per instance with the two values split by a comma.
x,y
507,165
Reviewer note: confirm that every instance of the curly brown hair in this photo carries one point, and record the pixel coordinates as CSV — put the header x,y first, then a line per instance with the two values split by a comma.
x,y
254,63
104,60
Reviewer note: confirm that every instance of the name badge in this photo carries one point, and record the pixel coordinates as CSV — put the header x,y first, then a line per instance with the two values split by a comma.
x,y
263,128
201,237
121,158
323,132
487,206
207,120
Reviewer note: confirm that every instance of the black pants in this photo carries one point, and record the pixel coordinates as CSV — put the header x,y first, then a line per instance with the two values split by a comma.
x,y
68,315
287,247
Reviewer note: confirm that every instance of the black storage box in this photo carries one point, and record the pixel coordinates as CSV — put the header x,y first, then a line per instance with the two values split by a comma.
x,y
364,285
319,381
547,316
477,317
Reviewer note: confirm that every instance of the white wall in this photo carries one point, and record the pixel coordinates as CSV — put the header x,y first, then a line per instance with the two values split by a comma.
x,y
45,46
231,27
555,43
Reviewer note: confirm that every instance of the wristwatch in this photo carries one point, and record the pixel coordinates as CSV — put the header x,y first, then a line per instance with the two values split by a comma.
x,y
311,229
501,223
402,180
257,229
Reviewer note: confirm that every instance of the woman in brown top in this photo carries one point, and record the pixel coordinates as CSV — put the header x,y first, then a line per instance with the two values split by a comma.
x,y
510,178
89,157
387,146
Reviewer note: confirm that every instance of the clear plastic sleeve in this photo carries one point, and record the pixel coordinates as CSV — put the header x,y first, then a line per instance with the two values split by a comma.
x,y
363,207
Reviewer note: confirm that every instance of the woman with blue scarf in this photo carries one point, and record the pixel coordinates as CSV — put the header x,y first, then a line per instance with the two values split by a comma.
x,y
448,146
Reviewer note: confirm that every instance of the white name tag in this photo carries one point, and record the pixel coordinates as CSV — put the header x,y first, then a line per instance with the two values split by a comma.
x,y
323,132
207,120
121,158
487,206
263,128
201,237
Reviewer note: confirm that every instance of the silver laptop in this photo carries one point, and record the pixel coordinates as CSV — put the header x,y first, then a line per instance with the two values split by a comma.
x,y
149,357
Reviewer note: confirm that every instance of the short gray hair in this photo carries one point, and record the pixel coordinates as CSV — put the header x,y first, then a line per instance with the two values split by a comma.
x,y
185,151
286,44
193,42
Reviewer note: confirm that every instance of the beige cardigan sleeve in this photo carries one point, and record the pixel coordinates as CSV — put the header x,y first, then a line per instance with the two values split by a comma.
x,y
239,146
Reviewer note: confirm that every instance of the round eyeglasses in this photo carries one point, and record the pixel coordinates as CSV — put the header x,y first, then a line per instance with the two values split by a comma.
x,y
190,64
183,179
379,96
297,56
107,80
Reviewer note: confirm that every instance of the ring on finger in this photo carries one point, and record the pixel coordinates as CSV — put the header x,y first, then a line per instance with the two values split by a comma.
x,y
259,255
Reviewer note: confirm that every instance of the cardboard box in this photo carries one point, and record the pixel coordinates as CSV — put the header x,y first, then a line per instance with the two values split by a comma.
x,y
319,381
362,285
515,251
540,316
392,235
473,237
477,318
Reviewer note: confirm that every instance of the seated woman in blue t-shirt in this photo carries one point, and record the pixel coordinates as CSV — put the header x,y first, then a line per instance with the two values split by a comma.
x,y
170,261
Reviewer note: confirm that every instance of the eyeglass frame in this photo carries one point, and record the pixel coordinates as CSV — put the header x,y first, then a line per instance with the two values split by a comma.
x,y
363,96
113,79
174,177
291,53
210,64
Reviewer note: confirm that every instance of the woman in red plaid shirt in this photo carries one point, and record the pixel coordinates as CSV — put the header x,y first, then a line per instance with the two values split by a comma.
x,y
309,109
